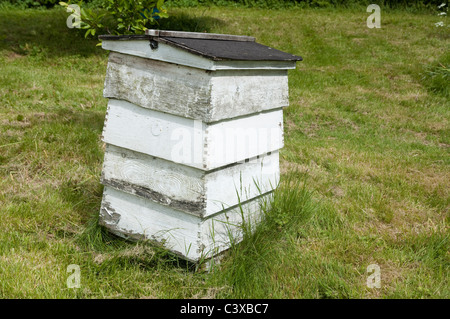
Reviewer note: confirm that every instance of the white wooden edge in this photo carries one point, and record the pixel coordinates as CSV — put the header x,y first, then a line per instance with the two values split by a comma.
x,y
170,54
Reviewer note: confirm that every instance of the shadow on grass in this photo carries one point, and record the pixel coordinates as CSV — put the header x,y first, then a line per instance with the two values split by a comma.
x,y
23,30
30,31
184,22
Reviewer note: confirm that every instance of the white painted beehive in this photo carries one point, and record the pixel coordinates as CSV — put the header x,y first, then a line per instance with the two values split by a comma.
x,y
193,131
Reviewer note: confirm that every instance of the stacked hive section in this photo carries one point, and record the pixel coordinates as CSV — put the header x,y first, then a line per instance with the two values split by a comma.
x,y
192,141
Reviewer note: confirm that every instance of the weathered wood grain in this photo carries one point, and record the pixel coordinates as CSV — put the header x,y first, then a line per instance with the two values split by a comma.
x,y
185,188
187,235
244,92
193,93
159,86
190,142
165,182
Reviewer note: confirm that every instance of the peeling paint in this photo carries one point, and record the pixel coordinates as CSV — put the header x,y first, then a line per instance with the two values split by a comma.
x,y
196,208
108,214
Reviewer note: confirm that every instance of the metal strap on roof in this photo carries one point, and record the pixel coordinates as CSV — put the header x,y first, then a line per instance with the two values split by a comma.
x,y
198,35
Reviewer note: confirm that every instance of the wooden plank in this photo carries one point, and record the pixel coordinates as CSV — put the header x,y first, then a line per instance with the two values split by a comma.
x,y
171,54
237,93
185,188
159,86
189,236
242,182
154,133
179,186
191,142
193,93
198,35
243,138
166,53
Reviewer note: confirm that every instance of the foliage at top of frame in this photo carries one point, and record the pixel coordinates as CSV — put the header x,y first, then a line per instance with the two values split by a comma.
x,y
273,4
117,17
276,4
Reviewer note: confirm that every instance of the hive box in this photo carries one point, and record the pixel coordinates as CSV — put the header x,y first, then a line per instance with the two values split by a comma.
x,y
193,131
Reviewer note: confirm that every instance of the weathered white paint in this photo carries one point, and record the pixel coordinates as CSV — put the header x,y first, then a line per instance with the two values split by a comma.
x,y
193,93
242,138
159,86
185,188
191,142
244,92
241,182
189,236
167,53
178,129
171,54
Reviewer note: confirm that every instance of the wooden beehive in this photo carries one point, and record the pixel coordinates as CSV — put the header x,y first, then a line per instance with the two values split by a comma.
x,y
193,131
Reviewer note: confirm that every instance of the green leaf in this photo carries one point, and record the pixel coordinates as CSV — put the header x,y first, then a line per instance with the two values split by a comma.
x,y
163,15
121,16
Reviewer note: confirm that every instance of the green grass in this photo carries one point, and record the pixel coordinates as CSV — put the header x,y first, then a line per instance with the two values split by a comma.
x,y
365,165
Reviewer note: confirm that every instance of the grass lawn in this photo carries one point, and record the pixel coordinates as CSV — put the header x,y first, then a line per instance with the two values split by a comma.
x,y
365,165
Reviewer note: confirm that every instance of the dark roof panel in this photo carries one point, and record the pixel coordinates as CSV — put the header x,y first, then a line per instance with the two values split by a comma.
x,y
230,50
216,47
